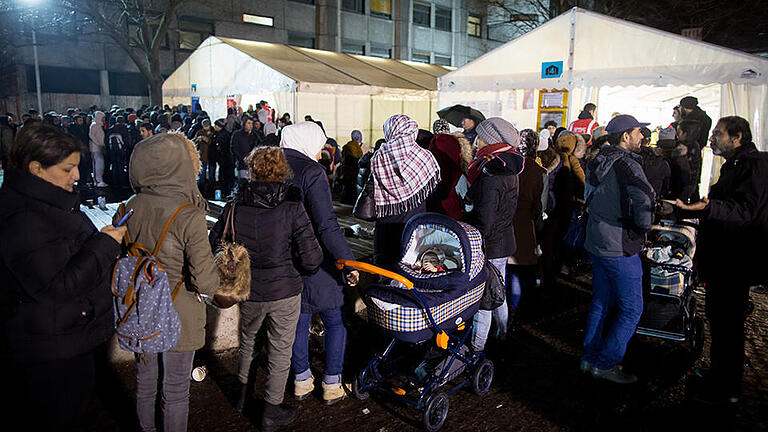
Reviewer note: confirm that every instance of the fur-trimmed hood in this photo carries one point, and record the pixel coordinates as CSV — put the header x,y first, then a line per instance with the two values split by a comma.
x,y
549,159
466,150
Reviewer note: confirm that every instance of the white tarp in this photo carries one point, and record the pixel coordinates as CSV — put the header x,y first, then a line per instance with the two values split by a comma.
x,y
620,66
343,91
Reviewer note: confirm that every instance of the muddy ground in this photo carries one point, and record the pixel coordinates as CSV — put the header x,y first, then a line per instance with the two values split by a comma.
x,y
537,387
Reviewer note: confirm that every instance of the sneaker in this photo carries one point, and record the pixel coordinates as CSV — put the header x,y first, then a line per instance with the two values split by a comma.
x,y
615,374
101,184
302,389
333,393
586,366
276,416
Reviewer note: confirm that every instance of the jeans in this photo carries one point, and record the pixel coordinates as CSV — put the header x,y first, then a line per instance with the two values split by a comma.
x,y
242,174
500,315
177,369
335,340
207,173
280,317
617,283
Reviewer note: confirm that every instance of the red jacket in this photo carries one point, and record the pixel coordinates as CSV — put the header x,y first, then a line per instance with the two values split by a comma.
x,y
583,126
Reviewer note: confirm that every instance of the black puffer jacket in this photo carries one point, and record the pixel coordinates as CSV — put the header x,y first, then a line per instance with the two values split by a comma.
x,y
242,144
55,270
270,221
494,199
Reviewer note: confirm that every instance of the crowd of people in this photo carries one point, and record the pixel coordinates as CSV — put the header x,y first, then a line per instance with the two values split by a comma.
x,y
519,188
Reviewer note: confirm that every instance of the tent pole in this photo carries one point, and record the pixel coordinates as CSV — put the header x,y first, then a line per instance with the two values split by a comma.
x,y
572,43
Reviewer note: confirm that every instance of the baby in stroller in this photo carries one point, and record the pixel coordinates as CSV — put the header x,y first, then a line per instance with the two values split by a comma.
x,y
435,291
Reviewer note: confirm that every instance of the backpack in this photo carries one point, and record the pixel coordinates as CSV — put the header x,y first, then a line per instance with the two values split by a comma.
x,y
145,318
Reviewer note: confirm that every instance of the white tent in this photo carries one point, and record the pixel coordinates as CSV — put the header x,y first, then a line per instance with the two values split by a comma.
x,y
620,66
344,91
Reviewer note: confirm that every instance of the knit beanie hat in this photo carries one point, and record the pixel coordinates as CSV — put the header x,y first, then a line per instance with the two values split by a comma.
x,y
497,130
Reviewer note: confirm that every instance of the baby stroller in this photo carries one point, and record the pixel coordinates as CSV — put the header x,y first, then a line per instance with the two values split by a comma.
x,y
669,310
427,309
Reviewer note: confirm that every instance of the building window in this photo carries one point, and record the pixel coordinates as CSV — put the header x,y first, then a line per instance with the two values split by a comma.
x,y
422,14
381,8
524,17
65,80
311,2
353,47
443,59
421,57
383,51
127,84
474,26
443,18
189,40
357,6
193,31
259,20
301,40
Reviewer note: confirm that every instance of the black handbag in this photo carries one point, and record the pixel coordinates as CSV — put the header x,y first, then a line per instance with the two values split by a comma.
x,y
365,206
495,291
577,229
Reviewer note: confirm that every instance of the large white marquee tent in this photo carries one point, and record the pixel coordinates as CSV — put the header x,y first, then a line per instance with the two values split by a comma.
x,y
344,91
620,66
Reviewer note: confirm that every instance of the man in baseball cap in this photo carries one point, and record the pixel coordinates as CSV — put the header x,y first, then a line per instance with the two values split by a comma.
x,y
620,203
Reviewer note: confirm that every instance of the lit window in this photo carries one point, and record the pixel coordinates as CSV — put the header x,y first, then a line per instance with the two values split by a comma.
x,y
381,8
443,18
474,26
353,47
259,20
421,57
422,14
189,40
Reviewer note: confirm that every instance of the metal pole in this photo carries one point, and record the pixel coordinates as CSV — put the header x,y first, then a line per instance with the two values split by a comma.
x,y
37,74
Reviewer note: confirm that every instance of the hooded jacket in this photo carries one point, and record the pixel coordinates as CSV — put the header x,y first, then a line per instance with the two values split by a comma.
x,y
620,203
494,198
242,144
453,154
272,214
568,185
96,133
705,122
55,270
163,174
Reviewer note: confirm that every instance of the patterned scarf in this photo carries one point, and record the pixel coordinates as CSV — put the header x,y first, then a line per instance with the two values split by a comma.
x,y
404,173
483,156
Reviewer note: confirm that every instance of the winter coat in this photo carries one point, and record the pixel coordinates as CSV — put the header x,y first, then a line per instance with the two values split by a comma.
x,y
350,156
96,133
242,144
453,154
163,173
733,230
568,186
365,168
80,132
6,141
705,124
272,214
494,200
528,212
682,185
621,203
322,290
656,169
55,270
204,143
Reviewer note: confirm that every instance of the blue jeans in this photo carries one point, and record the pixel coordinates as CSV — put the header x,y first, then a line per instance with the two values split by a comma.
x,y
207,172
335,339
177,370
617,282
500,315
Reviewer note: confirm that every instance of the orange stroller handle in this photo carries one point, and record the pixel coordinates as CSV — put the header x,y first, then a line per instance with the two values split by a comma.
x,y
370,268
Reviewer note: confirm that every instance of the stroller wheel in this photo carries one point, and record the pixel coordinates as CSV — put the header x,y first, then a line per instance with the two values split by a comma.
x,y
482,377
357,390
697,337
436,411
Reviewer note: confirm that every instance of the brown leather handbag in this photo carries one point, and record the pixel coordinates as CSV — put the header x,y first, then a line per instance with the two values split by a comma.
x,y
234,267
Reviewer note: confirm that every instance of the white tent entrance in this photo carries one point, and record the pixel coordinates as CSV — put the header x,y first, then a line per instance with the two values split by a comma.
x,y
344,91
621,66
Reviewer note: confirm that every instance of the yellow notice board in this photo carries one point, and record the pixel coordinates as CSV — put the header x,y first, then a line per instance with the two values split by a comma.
x,y
553,105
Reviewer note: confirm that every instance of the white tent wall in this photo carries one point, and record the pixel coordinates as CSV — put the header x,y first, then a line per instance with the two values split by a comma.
x,y
750,102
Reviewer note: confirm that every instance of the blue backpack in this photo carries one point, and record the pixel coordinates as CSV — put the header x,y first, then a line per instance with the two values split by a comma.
x,y
145,318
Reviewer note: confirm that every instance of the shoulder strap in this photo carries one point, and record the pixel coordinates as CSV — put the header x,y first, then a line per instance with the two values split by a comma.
x,y
121,210
167,227
229,225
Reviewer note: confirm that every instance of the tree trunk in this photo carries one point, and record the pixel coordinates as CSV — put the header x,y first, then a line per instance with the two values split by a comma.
x,y
156,91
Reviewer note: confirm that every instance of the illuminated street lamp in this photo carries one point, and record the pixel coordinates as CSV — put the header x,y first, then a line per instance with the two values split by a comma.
x,y
37,63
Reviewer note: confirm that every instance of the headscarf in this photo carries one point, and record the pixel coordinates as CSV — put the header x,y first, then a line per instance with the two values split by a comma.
x,y
357,136
440,126
529,143
404,173
305,137
269,128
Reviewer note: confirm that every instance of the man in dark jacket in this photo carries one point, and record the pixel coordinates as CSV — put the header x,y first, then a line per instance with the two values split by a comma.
x,y
690,110
681,181
243,141
119,147
656,169
733,232
620,205
493,193
224,157
687,135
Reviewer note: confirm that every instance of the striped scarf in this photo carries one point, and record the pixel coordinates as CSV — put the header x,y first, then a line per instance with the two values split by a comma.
x,y
404,173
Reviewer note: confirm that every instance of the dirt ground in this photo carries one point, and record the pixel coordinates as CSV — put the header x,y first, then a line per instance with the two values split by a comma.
x,y
537,386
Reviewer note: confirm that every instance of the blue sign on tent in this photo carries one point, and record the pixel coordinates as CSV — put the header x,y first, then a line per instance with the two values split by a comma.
x,y
195,101
551,69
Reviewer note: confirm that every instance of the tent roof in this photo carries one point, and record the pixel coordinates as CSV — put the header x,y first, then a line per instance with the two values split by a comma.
x,y
606,52
328,67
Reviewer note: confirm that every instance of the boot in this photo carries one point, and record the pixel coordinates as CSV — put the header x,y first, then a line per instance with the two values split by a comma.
x,y
332,393
276,416
242,398
302,389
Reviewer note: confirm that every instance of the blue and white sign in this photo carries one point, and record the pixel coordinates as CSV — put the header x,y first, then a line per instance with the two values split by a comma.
x,y
551,69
